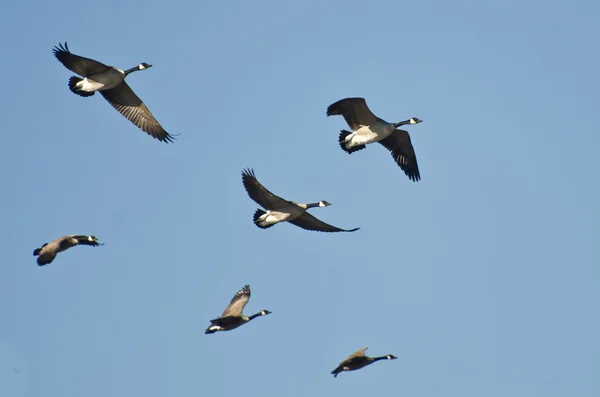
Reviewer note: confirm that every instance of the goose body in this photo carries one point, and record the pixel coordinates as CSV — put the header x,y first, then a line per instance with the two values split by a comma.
x,y
281,210
110,82
47,252
358,360
102,81
368,128
233,317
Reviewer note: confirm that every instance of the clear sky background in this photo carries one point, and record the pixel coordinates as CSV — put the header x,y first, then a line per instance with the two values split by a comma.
x,y
483,278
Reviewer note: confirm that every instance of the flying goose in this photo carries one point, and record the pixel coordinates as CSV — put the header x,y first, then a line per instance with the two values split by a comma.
x,y
280,210
368,128
110,82
48,251
358,360
233,317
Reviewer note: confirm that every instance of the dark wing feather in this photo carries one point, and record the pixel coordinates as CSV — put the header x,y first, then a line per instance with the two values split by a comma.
x,y
236,306
354,110
399,144
82,66
259,193
309,222
131,106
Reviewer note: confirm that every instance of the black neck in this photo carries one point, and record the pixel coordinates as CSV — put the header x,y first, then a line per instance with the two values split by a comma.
x,y
312,205
380,358
254,316
134,69
402,123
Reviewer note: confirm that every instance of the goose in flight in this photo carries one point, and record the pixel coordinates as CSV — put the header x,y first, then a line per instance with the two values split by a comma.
x,y
233,317
358,360
368,128
47,252
110,82
281,210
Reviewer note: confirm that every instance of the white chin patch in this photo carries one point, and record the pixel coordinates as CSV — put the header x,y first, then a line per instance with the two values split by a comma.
x,y
413,121
90,238
141,67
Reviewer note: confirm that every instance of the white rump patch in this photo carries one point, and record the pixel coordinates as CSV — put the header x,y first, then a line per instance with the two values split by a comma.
x,y
89,85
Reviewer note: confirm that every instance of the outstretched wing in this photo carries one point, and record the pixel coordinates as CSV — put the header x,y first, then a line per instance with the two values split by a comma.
x,y
309,222
359,354
399,144
131,106
82,66
354,110
259,193
238,302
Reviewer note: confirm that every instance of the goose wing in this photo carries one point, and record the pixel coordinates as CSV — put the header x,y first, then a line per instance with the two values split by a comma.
x,y
399,144
309,222
131,106
359,354
259,193
82,66
238,302
354,110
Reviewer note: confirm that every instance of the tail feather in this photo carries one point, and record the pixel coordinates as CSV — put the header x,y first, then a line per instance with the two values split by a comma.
x,y
37,251
257,215
342,141
336,371
73,87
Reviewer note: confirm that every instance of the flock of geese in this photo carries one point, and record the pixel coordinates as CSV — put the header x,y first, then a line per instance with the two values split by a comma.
x,y
366,128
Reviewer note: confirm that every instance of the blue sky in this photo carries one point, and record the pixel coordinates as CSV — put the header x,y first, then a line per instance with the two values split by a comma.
x,y
483,278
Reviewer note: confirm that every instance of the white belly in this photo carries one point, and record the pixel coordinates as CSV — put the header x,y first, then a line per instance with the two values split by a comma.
x,y
273,217
369,134
102,81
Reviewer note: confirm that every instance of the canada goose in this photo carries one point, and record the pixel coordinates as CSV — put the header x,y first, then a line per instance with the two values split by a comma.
x,y
358,360
48,251
110,81
368,128
233,317
280,210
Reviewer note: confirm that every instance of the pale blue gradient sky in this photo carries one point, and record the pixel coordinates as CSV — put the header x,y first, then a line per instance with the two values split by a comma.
x,y
483,278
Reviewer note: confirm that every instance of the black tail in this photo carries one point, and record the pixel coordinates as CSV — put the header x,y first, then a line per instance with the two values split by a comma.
x,y
37,251
210,331
72,86
336,371
257,215
342,140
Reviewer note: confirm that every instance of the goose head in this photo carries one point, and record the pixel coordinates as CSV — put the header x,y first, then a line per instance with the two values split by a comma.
x,y
324,203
